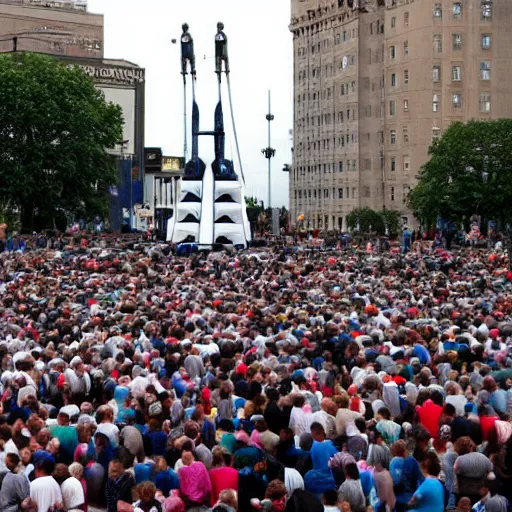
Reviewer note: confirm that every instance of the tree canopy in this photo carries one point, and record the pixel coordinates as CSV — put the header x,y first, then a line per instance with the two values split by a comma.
x,y
55,128
469,172
366,220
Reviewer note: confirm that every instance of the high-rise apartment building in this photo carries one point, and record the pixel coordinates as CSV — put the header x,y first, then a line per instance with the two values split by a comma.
x,y
56,27
375,82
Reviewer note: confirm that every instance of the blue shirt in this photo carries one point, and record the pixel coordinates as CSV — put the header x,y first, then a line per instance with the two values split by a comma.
x,y
321,453
430,495
406,476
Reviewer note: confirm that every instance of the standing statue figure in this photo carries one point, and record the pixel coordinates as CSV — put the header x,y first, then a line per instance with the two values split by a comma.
x,y
187,51
221,49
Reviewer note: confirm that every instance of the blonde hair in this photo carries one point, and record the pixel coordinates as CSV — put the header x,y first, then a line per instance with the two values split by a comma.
x,y
76,470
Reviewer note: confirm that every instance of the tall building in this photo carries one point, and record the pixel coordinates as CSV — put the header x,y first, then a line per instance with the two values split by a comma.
x,y
57,27
375,82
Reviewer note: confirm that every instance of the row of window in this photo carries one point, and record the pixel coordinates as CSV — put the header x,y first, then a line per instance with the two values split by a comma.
x,y
327,119
485,43
343,193
350,165
457,11
484,102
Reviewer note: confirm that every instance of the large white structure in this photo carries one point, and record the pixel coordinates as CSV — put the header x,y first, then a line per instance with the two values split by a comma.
x,y
210,205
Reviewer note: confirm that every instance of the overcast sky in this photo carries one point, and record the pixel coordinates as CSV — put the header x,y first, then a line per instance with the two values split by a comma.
x,y
260,48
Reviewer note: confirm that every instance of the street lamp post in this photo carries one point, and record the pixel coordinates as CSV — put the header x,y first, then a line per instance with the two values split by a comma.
x,y
269,152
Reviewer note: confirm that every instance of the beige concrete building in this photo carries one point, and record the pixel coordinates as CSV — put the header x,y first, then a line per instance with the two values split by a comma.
x,y
375,82
57,27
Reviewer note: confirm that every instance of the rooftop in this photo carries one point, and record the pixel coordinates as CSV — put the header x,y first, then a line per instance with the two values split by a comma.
x,y
68,5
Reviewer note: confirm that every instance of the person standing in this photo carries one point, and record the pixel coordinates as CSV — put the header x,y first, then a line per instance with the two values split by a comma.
x,y
15,489
44,490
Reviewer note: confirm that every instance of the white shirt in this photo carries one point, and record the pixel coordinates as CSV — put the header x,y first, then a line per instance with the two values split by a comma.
x,y
300,421
45,492
72,494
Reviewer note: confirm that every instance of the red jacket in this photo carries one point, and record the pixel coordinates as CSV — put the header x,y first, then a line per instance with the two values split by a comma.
x,y
429,414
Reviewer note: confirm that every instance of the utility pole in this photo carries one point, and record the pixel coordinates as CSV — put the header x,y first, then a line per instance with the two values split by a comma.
x,y
269,152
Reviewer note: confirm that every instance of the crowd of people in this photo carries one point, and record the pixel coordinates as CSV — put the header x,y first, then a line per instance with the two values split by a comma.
x,y
270,379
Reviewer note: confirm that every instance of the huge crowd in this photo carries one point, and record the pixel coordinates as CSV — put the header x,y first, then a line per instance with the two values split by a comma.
x,y
271,379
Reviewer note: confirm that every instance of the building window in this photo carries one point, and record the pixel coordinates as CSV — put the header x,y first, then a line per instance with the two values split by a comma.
x,y
438,43
406,48
485,102
456,73
486,41
456,42
436,73
393,80
407,164
326,193
486,9
406,135
391,108
354,193
381,137
393,22
457,100
438,11
392,193
406,76
340,193
485,70
392,52
392,136
457,11
354,166
436,134
392,165
406,19
435,103
406,105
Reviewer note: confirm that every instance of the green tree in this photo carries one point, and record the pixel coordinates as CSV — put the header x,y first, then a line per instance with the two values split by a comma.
x,y
392,221
55,128
469,172
366,220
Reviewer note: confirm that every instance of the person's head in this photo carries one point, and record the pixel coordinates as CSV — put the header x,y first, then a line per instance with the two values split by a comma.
x,y
104,414
12,461
464,445
76,470
351,471
299,401
61,473
437,397
276,493
63,419
25,455
383,414
431,465
145,492
115,469
317,432
360,424
221,456
330,498
44,467
399,449
229,497
449,410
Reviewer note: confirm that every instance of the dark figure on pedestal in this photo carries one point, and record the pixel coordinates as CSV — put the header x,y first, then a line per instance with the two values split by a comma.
x,y
221,50
187,51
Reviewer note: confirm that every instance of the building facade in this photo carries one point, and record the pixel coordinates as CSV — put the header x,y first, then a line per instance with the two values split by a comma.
x,y
57,27
375,82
